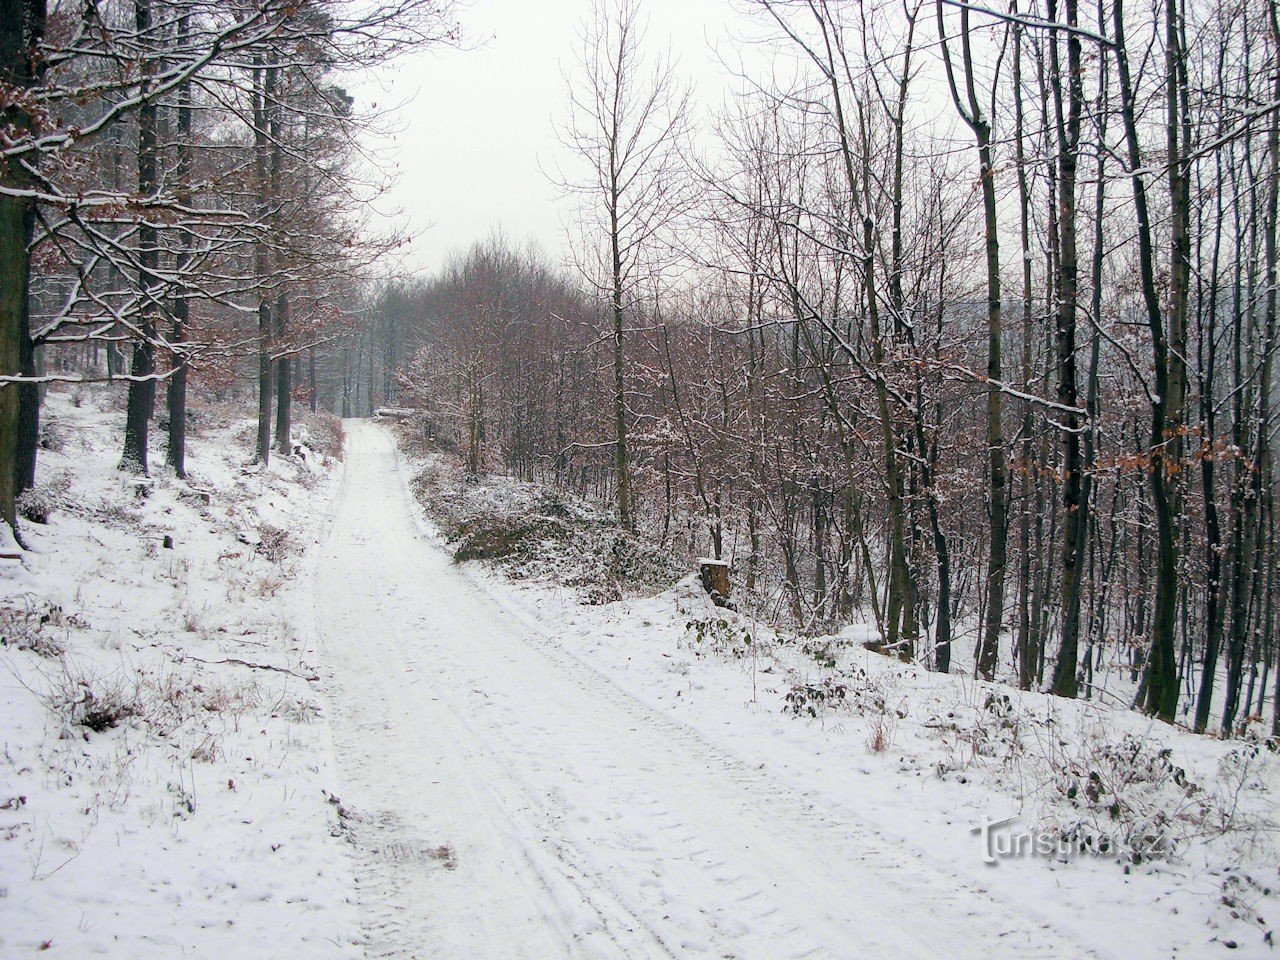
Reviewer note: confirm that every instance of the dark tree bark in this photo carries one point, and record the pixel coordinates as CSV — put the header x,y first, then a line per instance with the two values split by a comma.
x,y
176,398
971,111
142,386
22,24
264,95
1075,517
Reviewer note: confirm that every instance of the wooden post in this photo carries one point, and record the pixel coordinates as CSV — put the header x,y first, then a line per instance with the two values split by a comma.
x,y
715,579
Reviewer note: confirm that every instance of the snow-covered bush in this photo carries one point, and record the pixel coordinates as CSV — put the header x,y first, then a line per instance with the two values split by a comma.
x,y
92,701
519,538
47,496
29,627
718,637
53,435
816,698
321,432
1127,798
275,543
535,532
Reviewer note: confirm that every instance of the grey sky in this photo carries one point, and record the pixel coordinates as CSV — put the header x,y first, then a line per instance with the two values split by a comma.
x,y
480,129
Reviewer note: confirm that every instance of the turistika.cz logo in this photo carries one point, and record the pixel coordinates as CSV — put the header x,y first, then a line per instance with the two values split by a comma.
x,y
1001,841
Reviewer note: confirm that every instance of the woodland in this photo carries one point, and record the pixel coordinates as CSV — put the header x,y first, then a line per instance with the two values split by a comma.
x,y
956,319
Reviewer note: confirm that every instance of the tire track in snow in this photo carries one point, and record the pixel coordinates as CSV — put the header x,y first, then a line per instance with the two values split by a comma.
x,y
583,823
415,781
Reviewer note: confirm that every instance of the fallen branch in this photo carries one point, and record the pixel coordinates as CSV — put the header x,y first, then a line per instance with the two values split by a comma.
x,y
312,678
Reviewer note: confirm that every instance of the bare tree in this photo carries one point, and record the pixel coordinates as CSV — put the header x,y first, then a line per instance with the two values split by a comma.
x,y
969,104
628,119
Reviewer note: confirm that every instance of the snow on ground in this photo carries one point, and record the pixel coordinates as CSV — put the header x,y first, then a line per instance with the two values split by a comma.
x,y
447,764
1177,831
163,752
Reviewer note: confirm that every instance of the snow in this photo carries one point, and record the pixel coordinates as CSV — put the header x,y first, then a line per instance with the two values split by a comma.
x,y
607,788
197,826
488,768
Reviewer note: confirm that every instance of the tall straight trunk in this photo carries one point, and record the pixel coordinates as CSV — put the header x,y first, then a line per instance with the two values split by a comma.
x,y
17,221
929,469
1074,507
621,453
1275,699
264,93
22,24
1215,609
1023,640
1255,477
971,111
369,401
1093,399
177,390
1170,335
284,381
346,381
29,392
1168,346
280,318
142,388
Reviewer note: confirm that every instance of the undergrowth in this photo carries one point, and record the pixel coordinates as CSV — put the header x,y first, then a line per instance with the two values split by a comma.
x,y
534,532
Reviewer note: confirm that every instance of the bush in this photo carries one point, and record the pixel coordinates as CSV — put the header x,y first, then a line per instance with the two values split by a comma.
x,y
815,699
274,543
47,496
493,537
27,628
1131,800
717,636
323,433
96,703
53,435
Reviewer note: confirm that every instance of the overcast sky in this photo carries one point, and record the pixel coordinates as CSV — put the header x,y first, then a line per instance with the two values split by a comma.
x,y
479,129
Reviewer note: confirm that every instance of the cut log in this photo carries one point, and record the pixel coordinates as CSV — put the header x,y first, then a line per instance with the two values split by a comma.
x,y
715,579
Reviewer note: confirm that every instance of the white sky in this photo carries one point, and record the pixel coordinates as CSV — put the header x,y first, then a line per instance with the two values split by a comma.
x,y
479,129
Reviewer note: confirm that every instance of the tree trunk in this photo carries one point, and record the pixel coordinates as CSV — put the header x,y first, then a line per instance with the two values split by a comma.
x,y
284,381
22,24
1075,508
142,389
265,85
176,399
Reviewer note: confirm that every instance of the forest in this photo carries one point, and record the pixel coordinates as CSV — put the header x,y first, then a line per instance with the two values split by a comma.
x,y
956,318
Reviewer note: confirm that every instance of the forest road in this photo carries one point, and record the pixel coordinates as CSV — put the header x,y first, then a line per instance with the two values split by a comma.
x,y
506,800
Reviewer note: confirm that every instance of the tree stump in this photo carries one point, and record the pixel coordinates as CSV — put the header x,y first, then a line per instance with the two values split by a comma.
x,y
715,579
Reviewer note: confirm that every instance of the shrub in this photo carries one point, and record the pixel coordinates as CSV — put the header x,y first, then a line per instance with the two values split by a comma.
x,y
323,433
496,537
26,627
95,703
47,496
536,532
1132,800
717,636
274,543
815,699
53,435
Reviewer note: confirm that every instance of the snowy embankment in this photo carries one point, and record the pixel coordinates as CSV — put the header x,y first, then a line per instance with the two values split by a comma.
x,y
164,744
1140,840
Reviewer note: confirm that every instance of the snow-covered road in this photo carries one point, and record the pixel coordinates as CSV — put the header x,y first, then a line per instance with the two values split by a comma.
x,y
509,800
